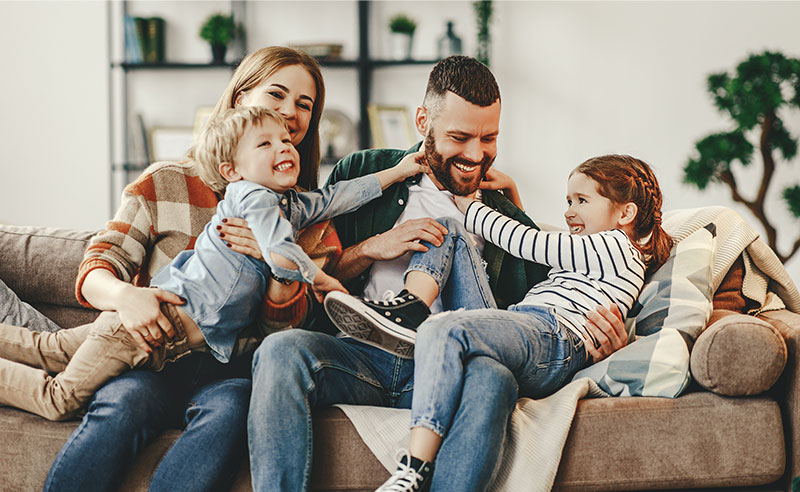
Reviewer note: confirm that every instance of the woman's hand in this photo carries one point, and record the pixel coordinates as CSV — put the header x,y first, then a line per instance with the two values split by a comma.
x,y
140,313
238,235
324,283
608,329
495,179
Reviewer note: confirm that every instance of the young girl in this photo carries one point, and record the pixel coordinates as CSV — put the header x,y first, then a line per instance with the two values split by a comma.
x,y
615,237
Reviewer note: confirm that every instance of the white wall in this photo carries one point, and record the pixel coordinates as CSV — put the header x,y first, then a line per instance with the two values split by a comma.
x,y
53,122
581,79
578,79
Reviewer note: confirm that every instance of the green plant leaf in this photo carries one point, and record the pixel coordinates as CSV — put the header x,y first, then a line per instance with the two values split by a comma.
x,y
716,153
792,197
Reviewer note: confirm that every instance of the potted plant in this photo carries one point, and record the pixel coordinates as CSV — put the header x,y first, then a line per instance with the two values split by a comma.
x,y
219,30
402,28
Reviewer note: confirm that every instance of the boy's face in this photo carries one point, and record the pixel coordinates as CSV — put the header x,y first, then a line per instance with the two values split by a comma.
x,y
265,155
588,211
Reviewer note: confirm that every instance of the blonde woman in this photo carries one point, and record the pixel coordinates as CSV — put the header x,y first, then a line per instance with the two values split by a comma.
x,y
161,214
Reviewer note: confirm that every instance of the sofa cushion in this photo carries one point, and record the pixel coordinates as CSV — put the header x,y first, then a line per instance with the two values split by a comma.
x,y
672,308
697,440
738,355
40,264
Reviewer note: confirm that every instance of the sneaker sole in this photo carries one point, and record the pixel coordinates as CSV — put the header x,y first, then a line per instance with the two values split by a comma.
x,y
354,319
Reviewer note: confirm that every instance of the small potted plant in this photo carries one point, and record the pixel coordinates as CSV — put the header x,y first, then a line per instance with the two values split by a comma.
x,y
219,30
402,28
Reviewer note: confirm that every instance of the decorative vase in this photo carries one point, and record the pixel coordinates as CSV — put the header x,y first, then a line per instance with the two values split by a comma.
x,y
449,44
218,53
401,44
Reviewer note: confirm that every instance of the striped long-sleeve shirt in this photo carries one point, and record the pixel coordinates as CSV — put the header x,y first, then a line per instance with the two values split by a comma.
x,y
587,271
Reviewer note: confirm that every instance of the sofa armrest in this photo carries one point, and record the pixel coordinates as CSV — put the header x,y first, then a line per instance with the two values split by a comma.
x,y
787,390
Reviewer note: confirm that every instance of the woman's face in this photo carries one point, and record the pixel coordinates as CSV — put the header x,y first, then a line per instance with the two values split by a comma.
x,y
291,92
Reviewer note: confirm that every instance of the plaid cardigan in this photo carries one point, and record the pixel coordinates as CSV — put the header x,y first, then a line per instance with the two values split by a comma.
x,y
161,214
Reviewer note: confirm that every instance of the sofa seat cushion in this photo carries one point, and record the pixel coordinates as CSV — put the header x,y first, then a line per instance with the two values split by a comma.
x,y
697,440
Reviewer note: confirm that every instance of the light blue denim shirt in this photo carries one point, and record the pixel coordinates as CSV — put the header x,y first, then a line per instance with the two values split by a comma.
x,y
224,289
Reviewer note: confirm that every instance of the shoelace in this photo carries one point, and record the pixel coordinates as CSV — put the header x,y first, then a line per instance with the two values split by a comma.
x,y
405,477
389,299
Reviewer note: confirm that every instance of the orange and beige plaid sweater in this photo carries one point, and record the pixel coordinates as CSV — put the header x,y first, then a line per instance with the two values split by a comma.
x,y
161,214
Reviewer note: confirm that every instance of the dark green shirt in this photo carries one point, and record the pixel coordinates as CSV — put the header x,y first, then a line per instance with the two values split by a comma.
x,y
509,277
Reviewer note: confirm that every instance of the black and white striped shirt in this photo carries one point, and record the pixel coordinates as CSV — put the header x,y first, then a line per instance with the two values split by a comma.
x,y
600,268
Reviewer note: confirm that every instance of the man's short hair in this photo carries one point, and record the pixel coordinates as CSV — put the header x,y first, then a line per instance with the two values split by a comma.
x,y
464,76
220,138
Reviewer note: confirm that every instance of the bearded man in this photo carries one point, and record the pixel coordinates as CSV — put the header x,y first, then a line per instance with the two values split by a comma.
x,y
296,371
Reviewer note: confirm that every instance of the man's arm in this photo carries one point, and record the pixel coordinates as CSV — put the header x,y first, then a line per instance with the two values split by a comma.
x,y
388,246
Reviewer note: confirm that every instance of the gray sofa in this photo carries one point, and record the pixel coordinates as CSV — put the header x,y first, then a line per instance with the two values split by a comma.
x,y
700,440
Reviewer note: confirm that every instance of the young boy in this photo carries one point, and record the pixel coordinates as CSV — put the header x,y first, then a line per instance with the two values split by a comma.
x,y
250,150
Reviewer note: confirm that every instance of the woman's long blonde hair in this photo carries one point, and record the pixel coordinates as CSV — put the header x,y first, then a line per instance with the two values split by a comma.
x,y
259,65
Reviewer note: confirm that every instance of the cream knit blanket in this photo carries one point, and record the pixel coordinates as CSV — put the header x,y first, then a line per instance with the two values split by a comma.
x,y
536,436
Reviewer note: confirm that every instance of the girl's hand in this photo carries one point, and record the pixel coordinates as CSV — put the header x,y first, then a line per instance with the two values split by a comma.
x,y
324,283
235,232
141,315
463,202
495,179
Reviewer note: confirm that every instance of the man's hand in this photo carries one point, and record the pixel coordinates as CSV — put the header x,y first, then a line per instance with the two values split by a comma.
x,y
141,316
324,283
608,329
403,238
238,234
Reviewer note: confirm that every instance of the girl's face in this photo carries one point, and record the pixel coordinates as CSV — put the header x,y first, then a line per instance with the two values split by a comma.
x,y
291,92
588,211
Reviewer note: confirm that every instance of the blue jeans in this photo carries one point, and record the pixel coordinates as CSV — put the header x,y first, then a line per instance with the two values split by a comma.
x,y
540,354
457,266
296,372
133,409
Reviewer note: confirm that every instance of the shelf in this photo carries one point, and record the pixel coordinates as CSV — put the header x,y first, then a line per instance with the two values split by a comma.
x,y
325,62
172,66
128,166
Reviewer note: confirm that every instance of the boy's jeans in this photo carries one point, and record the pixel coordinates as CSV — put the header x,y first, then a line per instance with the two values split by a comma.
x,y
85,358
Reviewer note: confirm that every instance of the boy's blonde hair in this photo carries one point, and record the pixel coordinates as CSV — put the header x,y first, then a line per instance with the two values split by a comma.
x,y
220,138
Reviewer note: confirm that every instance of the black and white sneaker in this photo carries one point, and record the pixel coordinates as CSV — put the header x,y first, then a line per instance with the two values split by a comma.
x,y
412,475
390,325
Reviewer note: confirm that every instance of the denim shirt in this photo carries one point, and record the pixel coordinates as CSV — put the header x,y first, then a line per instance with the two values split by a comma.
x,y
223,289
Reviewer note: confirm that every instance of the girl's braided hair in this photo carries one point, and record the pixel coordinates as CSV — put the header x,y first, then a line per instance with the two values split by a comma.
x,y
623,179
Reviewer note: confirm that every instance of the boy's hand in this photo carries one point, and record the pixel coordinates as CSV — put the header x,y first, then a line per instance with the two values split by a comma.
x,y
412,164
324,283
141,316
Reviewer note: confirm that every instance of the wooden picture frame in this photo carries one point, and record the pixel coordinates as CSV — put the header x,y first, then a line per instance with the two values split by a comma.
x,y
170,143
391,127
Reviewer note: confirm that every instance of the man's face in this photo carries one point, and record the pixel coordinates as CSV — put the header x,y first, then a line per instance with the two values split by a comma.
x,y
461,143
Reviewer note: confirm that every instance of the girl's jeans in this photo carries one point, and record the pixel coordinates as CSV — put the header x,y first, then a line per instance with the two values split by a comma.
x,y
528,340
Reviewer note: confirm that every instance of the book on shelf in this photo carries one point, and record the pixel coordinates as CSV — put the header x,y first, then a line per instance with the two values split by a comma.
x,y
144,39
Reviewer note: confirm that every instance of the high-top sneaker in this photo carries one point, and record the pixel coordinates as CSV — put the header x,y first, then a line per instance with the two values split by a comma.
x,y
390,324
412,475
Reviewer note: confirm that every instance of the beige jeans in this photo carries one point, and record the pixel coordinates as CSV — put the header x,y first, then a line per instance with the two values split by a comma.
x,y
84,358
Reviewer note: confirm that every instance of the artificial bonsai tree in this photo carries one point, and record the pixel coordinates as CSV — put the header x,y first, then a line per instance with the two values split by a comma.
x,y
219,30
763,87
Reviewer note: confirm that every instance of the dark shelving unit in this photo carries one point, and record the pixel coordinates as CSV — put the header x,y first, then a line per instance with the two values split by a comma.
x,y
363,64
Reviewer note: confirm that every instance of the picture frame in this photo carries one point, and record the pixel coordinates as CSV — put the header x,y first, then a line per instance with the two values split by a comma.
x,y
391,127
170,143
201,116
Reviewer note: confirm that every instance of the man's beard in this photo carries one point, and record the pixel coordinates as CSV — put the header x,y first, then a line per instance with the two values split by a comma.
x,y
441,169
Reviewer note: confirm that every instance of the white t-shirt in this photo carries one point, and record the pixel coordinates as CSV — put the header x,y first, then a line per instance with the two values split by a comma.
x,y
424,200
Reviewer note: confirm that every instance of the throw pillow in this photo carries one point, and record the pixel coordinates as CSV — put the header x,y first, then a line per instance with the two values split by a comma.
x,y
663,323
